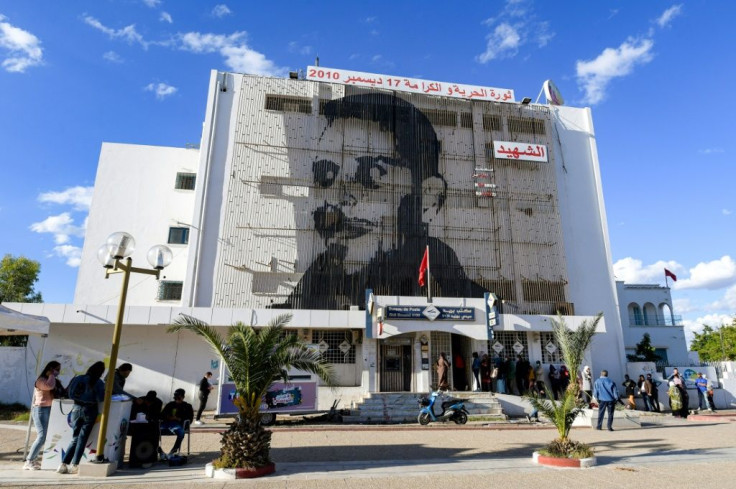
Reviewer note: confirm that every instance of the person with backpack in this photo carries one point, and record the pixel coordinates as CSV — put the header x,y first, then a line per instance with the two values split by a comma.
x,y
87,391
46,389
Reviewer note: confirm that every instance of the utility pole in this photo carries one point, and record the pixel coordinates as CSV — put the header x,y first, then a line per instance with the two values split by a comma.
x,y
723,350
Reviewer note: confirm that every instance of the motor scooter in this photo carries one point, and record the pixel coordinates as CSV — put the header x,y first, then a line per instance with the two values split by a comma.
x,y
452,409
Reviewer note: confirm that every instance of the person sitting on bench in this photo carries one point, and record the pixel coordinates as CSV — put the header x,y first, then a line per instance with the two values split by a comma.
x,y
176,417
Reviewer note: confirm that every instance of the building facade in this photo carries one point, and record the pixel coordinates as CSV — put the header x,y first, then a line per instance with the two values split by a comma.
x,y
321,199
647,309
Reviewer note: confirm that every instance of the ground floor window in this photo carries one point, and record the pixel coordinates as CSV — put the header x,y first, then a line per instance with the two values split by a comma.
x,y
550,349
336,346
514,343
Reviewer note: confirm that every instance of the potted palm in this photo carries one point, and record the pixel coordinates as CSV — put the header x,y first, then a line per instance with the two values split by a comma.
x,y
563,451
256,358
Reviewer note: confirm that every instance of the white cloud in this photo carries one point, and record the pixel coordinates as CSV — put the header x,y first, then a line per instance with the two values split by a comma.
x,y
595,75
127,33
669,14
683,306
503,42
23,48
696,326
221,10
727,302
370,20
162,90
61,226
710,151
78,197
166,17
295,47
726,212
515,26
112,57
238,56
633,271
73,254
712,275
152,3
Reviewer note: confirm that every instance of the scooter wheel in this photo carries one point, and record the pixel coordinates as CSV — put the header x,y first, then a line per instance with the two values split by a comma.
x,y
460,418
423,419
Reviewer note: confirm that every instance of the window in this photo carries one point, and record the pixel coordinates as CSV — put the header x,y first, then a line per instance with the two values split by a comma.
x,y
509,339
526,125
289,104
441,117
549,343
178,235
340,348
185,181
170,291
491,122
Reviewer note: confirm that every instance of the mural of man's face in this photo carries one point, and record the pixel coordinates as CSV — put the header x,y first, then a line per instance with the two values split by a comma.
x,y
358,188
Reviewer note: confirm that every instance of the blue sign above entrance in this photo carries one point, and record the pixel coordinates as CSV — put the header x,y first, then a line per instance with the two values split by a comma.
x,y
431,312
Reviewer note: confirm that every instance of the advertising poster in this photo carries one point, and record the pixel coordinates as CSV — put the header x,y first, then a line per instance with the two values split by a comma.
x,y
294,397
60,434
689,374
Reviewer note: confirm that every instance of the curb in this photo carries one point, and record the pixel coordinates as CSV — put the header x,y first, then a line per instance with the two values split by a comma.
x,y
232,474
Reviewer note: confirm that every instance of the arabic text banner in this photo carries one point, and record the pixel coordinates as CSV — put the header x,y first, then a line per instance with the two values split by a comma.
x,y
412,85
519,151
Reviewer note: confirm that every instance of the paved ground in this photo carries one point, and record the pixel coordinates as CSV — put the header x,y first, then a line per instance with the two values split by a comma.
x,y
664,453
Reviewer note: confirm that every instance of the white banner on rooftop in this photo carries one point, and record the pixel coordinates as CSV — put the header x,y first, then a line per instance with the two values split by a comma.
x,y
411,85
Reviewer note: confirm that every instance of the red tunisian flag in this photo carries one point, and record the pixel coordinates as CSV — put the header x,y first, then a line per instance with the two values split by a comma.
x,y
424,267
669,274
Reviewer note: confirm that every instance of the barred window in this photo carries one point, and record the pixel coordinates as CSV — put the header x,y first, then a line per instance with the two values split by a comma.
x,y
491,122
526,125
336,341
549,343
185,181
466,119
441,117
508,339
169,290
178,235
288,104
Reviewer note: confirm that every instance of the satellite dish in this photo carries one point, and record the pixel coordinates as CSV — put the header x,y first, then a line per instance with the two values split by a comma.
x,y
553,95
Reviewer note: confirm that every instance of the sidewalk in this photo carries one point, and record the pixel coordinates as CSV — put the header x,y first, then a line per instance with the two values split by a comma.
x,y
670,454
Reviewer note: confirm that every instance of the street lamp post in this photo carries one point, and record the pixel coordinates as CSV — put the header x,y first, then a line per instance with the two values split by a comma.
x,y
115,257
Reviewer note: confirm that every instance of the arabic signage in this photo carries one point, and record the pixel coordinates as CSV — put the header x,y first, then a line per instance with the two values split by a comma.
x,y
411,85
431,312
520,151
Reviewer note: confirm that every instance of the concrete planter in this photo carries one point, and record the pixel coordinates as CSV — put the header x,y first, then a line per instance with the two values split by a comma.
x,y
214,473
568,463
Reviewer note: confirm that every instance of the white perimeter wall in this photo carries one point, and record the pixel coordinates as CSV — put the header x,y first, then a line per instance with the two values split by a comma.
x,y
134,192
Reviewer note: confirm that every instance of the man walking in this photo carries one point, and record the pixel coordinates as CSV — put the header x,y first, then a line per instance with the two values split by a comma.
x,y
204,393
604,390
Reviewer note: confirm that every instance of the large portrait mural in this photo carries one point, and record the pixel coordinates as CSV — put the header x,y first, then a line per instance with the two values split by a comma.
x,y
376,189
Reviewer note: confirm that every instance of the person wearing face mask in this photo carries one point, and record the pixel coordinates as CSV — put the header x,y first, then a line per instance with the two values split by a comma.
x,y
46,389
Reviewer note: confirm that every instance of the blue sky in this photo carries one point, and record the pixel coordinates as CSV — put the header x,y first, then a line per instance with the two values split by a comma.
x,y
658,76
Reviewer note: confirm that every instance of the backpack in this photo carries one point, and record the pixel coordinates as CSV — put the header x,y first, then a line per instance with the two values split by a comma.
x,y
78,389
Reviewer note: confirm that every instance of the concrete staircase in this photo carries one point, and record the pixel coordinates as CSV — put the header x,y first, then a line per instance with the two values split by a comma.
x,y
402,407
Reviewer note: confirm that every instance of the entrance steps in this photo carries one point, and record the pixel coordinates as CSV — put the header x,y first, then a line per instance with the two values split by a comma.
x,y
402,407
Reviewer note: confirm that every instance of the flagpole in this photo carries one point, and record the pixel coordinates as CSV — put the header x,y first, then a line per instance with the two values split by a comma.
x,y
429,279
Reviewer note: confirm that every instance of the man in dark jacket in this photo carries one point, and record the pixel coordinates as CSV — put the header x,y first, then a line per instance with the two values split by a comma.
x,y
175,415
204,393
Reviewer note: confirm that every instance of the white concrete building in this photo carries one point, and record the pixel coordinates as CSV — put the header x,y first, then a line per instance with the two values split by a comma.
x,y
647,308
311,195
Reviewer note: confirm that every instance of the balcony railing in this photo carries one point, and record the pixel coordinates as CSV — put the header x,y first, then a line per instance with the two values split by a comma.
x,y
635,320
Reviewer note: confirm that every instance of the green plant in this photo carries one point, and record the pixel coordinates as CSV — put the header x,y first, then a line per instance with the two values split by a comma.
x,y
256,358
13,412
573,345
567,449
644,352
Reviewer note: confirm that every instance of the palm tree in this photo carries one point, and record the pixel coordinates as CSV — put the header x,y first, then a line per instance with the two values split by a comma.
x,y
573,345
256,358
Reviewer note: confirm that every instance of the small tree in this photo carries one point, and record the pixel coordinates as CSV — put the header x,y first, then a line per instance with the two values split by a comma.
x,y
17,278
644,352
256,359
573,345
